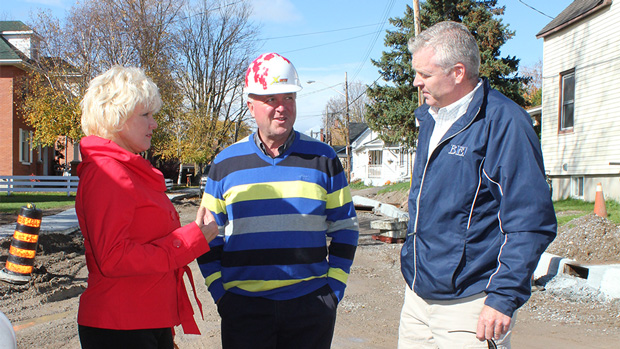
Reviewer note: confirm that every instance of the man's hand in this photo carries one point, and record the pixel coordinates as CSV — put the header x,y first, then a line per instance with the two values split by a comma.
x,y
492,324
206,223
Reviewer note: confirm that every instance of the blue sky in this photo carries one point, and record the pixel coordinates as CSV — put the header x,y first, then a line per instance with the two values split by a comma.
x,y
326,38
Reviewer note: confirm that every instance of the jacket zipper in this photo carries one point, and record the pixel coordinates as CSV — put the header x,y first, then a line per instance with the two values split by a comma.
x,y
417,203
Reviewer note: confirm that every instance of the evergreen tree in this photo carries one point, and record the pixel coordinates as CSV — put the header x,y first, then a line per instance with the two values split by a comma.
x,y
391,110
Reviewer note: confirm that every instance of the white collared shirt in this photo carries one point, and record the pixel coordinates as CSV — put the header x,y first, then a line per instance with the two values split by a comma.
x,y
446,116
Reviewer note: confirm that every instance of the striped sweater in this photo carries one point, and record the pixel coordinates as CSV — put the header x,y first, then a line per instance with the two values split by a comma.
x,y
274,216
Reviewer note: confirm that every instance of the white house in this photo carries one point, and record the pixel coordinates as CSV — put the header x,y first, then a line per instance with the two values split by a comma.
x,y
376,163
581,106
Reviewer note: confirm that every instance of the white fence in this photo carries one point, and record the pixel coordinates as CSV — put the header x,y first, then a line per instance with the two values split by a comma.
x,y
63,184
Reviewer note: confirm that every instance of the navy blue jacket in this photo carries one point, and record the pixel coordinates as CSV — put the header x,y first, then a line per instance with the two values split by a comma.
x,y
480,210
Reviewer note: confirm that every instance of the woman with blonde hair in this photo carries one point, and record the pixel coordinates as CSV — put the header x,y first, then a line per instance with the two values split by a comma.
x,y
136,249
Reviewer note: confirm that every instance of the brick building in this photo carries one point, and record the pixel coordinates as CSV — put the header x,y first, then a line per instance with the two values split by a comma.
x,y
19,49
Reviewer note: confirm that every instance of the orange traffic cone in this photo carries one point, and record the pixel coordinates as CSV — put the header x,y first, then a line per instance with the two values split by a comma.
x,y
599,202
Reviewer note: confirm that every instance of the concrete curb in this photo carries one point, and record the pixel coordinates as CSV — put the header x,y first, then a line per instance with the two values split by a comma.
x,y
366,202
549,266
605,278
379,207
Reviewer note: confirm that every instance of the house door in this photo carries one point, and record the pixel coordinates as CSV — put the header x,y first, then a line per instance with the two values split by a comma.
x,y
375,160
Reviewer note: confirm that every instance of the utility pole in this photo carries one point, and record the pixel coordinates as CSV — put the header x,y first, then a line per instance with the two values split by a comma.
x,y
416,30
326,127
348,130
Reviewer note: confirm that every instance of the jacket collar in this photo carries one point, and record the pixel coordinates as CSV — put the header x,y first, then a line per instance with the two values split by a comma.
x,y
95,149
477,103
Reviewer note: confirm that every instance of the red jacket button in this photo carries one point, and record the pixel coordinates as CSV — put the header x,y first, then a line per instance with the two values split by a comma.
x,y
176,243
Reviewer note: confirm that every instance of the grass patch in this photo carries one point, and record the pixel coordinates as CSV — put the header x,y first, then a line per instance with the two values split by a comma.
x,y
613,210
580,208
565,219
395,187
573,205
358,185
14,202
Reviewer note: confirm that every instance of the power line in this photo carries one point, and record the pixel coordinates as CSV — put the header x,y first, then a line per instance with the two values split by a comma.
x,y
317,91
328,43
535,9
350,102
386,12
321,32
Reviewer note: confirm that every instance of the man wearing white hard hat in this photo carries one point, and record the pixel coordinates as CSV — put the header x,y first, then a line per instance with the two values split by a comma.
x,y
276,195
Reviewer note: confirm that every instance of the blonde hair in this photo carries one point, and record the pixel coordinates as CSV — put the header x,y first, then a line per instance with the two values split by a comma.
x,y
112,97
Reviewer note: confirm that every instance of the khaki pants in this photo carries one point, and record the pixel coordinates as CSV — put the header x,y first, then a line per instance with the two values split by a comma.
x,y
443,324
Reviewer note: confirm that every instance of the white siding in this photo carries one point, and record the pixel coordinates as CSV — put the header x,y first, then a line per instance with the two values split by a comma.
x,y
25,43
592,48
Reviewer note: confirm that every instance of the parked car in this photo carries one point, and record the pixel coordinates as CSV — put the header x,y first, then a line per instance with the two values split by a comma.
x,y
203,179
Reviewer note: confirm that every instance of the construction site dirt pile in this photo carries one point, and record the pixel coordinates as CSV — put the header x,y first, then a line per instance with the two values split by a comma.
x,y
589,239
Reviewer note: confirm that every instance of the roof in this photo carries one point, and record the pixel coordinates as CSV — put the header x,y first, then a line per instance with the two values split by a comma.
x,y
14,26
575,12
9,53
356,129
535,110
341,150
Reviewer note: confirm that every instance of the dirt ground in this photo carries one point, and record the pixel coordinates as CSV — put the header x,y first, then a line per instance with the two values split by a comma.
x,y
43,312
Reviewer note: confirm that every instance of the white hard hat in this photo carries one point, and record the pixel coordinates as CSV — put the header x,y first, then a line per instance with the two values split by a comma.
x,y
271,74
7,334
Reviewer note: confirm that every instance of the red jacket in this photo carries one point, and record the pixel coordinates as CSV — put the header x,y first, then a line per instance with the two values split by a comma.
x,y
136,249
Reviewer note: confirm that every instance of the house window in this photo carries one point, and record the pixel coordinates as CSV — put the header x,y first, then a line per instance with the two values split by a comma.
x,y
577,187
25,151
375,157
567,102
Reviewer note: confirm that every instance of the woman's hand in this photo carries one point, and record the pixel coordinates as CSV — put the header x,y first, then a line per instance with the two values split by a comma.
x,y
206,223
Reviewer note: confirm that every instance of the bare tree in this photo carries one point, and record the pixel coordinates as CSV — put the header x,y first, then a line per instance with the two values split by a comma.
x,y
334,117
214,45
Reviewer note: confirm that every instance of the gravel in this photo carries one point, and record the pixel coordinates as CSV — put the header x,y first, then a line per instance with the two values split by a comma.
x,y
589,239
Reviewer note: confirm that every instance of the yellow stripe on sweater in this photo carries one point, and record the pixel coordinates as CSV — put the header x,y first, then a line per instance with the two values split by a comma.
x,y
275,190
265,285
209,279
338,274
212,204
338,198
